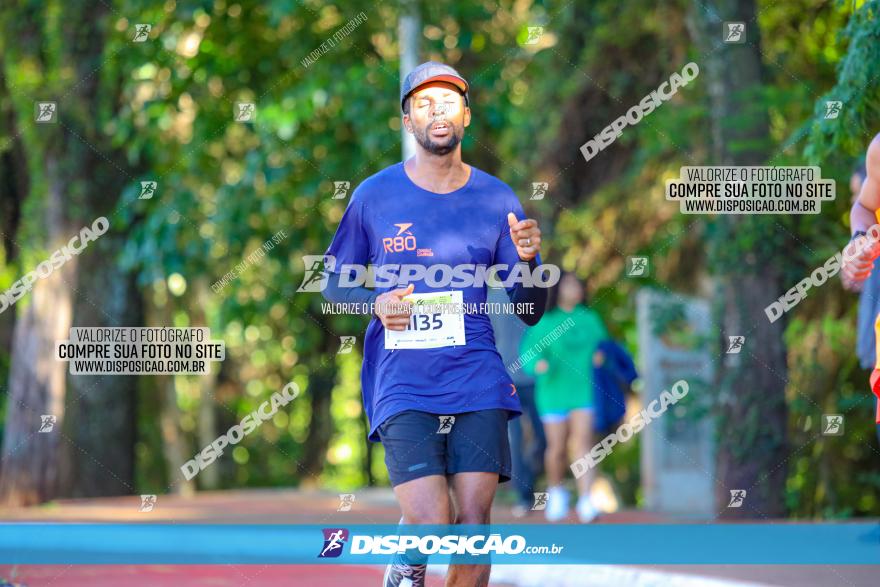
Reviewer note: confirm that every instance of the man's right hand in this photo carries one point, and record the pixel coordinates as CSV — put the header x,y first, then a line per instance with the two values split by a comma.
x,y
392,310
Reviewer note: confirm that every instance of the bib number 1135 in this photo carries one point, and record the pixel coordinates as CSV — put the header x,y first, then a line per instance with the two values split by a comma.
x,y
430,330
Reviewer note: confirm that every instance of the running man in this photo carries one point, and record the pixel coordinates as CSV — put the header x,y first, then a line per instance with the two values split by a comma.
x,y
434,210
864,214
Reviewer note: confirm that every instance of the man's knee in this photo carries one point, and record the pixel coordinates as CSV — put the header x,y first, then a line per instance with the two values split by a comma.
x,y
428,516
472,516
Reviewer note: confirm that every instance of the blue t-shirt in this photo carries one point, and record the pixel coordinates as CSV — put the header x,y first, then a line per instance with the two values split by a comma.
x,y
467,226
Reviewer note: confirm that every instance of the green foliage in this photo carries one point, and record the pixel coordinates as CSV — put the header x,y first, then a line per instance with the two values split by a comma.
x,y
856,87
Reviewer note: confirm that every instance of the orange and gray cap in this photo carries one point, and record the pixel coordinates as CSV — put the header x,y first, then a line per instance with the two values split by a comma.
x,y
431,71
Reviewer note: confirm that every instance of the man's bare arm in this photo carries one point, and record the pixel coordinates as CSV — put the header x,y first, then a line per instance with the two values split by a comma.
x,y
855,270
863,213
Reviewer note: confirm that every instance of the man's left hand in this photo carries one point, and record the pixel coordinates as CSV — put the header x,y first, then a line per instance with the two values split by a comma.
x,y
526,236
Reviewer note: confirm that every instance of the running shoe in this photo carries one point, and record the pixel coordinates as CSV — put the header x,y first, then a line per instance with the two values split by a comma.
x,y
586,511
401,574
557,504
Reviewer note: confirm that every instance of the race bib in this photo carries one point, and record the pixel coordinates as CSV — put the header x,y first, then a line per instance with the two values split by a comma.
x,y
433,323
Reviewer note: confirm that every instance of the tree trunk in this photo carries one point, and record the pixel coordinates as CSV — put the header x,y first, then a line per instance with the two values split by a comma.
x,y
97,438
36,380
174,446
321,424
207,426
752,416
101,421
14,181
14,186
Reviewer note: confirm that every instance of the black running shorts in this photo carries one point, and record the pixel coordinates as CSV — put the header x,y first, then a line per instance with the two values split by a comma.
x,y
418,444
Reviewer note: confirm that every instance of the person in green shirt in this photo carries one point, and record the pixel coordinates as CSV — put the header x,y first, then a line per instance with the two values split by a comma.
x,y
560,352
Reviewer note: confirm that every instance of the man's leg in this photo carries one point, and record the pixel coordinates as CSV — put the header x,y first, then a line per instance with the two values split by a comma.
x,y
425,500
416,459
473,494
478,460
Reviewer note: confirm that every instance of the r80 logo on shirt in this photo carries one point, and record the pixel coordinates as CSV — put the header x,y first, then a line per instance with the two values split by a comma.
x,y
404,240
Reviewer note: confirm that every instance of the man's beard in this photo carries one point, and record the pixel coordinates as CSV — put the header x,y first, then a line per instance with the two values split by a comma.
x,y
424,139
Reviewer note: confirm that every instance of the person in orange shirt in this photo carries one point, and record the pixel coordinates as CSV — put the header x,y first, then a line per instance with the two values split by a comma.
x,y
856,269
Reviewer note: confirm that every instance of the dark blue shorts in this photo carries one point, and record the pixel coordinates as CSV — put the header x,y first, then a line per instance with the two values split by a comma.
x,y
418,444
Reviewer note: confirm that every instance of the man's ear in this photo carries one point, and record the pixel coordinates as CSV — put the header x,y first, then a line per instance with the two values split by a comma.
x,y
407,123
467,116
